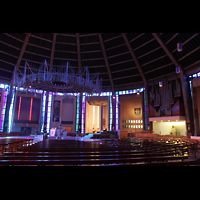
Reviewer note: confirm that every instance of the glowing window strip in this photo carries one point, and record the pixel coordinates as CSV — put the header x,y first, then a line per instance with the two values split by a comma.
x,y
116,110
3,109
19,109
145,113
43,112
49,111
77,111
2,85
97,116
190,87
10,115
110,102
93,114
31,106
83,114
124,92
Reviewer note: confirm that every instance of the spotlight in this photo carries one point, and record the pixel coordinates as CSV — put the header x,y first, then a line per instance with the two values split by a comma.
x,y
179,47
177,69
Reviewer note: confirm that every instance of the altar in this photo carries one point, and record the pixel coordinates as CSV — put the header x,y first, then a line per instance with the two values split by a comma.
x,y
52,132
58,133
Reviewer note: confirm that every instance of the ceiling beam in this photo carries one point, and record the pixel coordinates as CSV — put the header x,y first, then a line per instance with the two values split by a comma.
x,y
121,62
122,70
187,41
89,43
88,59
116,55
114,47
135,38
22,50
106,61
17,65
149,52
89,34
13,37
78,52
42,47
112,38
172,38
184,83
189,53
37,54
8,54
66,34
52,51
144,44
134,56
157,68
166,49
154,60
67,43
9,45
40,38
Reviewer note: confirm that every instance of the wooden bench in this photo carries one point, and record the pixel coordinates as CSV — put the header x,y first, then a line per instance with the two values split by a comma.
x,y
91,161
60,152
171,163
11,144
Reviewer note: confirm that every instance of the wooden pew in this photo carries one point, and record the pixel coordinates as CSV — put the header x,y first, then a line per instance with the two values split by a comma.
x,y
60,152
12,143
92,161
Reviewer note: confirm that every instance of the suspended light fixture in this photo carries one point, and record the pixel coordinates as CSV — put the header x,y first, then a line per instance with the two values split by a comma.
x,y
62,79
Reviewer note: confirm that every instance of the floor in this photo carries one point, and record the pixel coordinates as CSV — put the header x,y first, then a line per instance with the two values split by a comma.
x,y
35,138
40,138
86,139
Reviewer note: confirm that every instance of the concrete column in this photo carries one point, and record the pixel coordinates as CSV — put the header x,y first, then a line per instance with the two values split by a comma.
x,y
195,110
187,103
147,103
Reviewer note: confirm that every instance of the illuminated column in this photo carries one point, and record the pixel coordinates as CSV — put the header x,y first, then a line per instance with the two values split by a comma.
x,y
83,114
10,115
97,116
113,112
77,111
3,108
49,112
31,106
19,110
110,111
116,111
43,112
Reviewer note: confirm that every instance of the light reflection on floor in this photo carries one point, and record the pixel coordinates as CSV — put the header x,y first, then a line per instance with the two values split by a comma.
x,y
35,138
40,138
